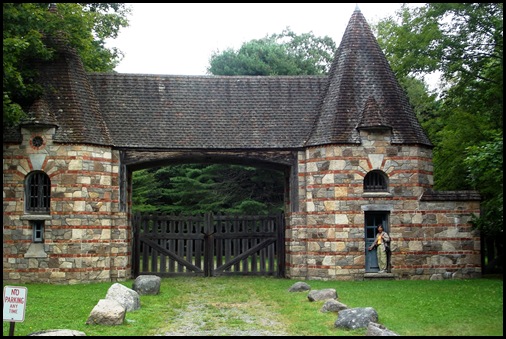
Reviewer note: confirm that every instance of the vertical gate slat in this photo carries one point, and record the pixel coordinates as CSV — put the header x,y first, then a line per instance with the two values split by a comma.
x,y
211,252
180,244
145,248
244,261
217,229
172,243
271,226
253,242
208,245
280,245
154,253
163,243
137,244
228,242
271,256
205,231
263,251
237,243
199,244
189,251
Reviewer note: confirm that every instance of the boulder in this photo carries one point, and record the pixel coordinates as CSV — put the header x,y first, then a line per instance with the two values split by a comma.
x,y
353,318
107,312
147,284
325,294
377,330
299,287
333,305
127,297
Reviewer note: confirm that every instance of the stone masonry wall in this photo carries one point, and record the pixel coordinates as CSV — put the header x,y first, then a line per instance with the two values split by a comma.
x,y
326,238
86,237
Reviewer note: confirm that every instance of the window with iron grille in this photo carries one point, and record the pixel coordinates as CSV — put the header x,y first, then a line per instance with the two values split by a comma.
x,y
37,192
375,181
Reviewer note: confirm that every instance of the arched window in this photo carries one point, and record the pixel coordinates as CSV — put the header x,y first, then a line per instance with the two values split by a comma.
x,y
37,192
375,181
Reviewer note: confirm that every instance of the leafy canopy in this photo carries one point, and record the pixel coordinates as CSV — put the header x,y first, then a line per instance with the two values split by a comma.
x,y
464,43
278,54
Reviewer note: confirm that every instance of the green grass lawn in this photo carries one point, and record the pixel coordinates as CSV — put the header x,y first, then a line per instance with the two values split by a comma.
x,y
407,307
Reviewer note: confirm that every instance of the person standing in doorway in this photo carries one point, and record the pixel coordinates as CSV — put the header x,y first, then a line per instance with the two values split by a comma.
x,y
382,245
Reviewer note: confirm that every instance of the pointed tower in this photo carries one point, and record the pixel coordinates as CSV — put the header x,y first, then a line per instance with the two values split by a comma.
x,y
362,92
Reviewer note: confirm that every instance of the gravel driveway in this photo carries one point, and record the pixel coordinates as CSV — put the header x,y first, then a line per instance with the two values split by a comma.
x,y
204,318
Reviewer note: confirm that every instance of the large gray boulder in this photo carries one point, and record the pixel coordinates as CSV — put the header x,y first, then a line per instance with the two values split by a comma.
x,y
107,312
325,294
127,297
353,318
147,284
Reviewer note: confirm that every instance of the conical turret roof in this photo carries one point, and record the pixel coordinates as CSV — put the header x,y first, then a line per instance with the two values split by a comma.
x,y
69,100
362,92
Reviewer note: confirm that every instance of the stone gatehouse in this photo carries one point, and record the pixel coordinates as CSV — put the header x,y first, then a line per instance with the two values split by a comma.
x,y
351,148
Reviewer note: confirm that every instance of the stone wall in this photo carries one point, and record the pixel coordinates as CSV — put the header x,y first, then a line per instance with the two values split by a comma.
x,y
86,237
326,238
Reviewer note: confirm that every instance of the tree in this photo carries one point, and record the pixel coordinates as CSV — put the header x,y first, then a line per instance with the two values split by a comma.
x,y
26,27
485,172
278,54
464,43
485,168
201,188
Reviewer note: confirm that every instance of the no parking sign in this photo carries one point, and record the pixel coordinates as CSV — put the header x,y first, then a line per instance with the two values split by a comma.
x,y
14,303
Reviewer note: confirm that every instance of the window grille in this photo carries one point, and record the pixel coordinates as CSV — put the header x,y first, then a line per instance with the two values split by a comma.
x,y
375,181
38,192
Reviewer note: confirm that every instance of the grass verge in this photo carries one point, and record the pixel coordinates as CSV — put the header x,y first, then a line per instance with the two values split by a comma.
x,y
407,307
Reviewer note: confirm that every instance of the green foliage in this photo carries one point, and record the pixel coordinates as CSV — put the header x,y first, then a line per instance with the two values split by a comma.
x,y
464,43
27,28
278,54
199,188
451,141
424,103
484,164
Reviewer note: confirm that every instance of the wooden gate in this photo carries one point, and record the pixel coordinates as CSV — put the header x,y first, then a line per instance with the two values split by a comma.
x,y
208,245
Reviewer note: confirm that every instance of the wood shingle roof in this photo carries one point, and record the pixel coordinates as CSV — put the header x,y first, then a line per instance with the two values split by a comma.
x,y
360,75
162,111
230,112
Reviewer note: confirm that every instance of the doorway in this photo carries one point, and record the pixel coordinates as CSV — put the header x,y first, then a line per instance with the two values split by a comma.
x,y
372,221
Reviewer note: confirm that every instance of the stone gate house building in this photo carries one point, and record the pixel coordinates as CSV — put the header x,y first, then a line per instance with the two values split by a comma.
x,y
351,147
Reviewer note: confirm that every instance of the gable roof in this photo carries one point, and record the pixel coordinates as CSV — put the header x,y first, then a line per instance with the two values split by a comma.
x,y
168,111
228,112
